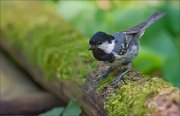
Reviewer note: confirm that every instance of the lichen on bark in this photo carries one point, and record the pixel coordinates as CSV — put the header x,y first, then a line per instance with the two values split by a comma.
x,y
130,99
134,97
58,50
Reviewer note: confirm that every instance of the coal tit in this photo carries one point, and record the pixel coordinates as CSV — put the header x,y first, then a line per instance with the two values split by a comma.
x,y
120,47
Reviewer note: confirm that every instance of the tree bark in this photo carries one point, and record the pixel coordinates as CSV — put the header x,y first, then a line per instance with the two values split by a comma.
x,y
56,57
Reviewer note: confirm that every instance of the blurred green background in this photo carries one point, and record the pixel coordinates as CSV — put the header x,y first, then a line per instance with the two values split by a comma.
x,y
160,45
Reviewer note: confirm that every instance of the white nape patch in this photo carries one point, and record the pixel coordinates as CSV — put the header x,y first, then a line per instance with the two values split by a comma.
x,y
107,47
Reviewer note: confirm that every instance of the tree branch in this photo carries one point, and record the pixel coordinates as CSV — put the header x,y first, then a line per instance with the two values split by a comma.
x,y
56,56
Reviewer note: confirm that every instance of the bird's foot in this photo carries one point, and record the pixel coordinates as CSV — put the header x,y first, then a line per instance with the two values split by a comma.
x,y
122,75
115,81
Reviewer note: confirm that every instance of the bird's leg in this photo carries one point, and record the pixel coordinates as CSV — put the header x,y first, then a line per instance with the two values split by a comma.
x,y
105,73
122,75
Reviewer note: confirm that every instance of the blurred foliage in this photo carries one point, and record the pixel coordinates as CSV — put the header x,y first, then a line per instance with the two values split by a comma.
x,y
73,109
54,112
160,43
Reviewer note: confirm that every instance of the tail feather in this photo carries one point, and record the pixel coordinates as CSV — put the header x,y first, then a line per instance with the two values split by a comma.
x,y
141,27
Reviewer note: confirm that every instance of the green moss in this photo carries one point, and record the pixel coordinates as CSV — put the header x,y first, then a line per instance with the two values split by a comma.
x,y
60,51
47,40
130,99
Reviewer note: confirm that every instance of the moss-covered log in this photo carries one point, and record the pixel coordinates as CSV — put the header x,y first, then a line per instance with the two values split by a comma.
x,y
56,56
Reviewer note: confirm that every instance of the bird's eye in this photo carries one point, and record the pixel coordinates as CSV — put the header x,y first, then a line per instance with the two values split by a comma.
x,y
100,43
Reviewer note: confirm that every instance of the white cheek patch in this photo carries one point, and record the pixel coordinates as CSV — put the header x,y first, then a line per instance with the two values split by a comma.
x,y
107,47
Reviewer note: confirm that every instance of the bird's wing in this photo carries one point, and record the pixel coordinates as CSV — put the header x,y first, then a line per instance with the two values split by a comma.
x,y
122,42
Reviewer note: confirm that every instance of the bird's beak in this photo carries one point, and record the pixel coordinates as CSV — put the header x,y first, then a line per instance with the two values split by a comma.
x,y
91,47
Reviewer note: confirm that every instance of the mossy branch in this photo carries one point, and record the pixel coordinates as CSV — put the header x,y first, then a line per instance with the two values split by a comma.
x,y
56,56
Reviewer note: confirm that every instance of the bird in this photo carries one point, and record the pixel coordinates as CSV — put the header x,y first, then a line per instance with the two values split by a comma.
x,y
119,47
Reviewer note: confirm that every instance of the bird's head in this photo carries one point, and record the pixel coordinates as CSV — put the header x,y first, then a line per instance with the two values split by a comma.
x,y
100,40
